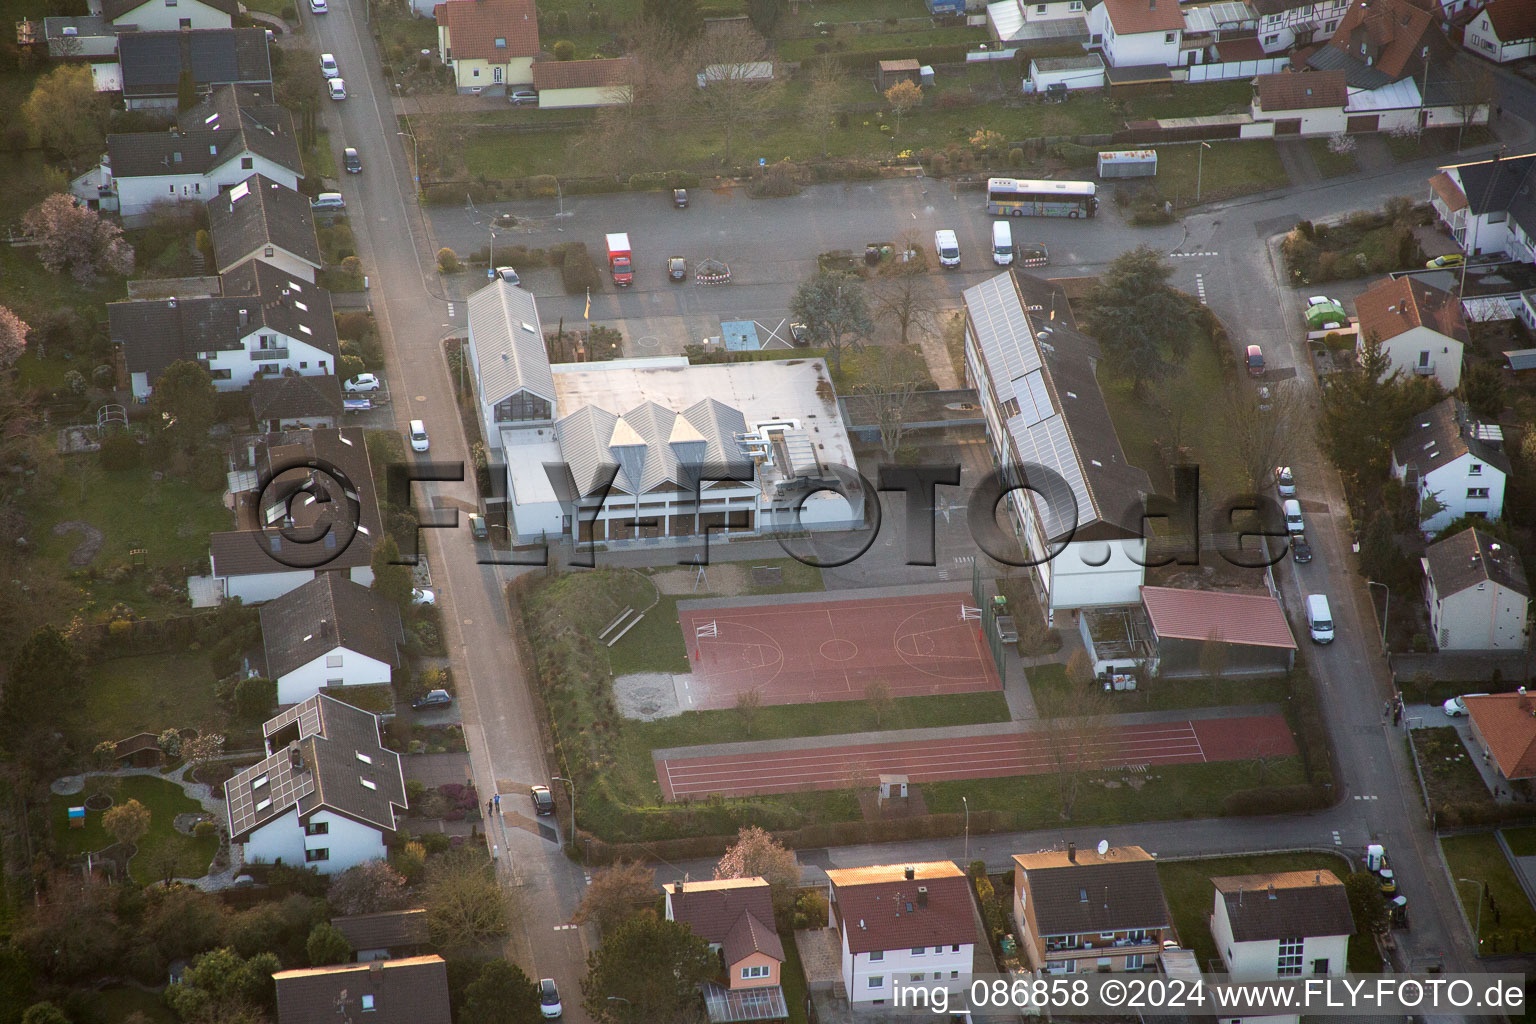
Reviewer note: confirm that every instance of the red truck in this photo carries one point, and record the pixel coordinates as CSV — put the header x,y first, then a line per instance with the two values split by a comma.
x,y
619,260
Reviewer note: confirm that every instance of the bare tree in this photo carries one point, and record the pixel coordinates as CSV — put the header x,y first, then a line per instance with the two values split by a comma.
x,y
896,379
903,294
615,894
878,697
820,106
748,704
736,95
1077,739
1475,93
1258,430
626,134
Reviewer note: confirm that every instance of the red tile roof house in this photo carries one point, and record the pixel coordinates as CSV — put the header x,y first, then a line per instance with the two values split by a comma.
x,y
903,925
1301,104
490,44
1503,31
605,82
1420,328
1504,726
735,916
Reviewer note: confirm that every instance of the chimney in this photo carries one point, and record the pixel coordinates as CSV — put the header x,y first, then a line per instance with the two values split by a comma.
x,y
375,970
1272,891
295,755
245,317
922,896
170,303
910,873
1072,852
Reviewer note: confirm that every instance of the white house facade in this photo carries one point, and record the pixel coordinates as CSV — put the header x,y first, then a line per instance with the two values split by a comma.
x,y
1503,31
1042,405
1135,33
1292,924
1488,205
166,15
1285,23
327,842
1476,591
1450,457
1420,329
329,632
1061,931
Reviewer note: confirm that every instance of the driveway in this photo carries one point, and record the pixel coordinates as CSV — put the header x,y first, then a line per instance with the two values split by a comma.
x,y
505,746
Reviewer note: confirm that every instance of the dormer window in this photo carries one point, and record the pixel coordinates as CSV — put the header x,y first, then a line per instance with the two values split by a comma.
x,y
367,1001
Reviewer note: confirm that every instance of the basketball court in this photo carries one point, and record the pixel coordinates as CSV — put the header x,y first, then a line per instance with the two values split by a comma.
x,y
795,652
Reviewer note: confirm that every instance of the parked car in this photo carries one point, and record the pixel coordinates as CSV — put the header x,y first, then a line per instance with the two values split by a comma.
x,y
1318,300
1301,551
338,88
507,274
523,98
801,335
677,269
1285,481
1454,259
328,66
1456,707
543,800
350,160
328,202
433,699
549,999
362,382
680,198
1255,361
421,595
318,7
418,434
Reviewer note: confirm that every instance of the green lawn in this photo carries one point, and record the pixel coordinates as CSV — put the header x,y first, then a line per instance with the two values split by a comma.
x,y
30,290
1191,897
114,1005
149,693
792,977
1449,774
165,800
1228,169
320,162
1329,163
1166,694
170,519
894,41
279,8
1478,857
1522,841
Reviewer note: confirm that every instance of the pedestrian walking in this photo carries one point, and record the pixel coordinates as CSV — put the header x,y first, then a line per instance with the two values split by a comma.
x,y
497,798
495,852
1397,715
490,807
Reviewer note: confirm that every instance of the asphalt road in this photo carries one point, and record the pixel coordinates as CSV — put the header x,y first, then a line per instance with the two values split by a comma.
x,y
506,753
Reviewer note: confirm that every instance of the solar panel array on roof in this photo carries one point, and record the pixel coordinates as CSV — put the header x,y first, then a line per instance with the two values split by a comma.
x,y
266,790
306,714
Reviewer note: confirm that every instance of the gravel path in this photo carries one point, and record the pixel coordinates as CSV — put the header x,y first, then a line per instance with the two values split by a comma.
x,y
89,545
646,696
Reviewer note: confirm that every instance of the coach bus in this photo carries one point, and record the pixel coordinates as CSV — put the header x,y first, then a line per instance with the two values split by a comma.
x,y
1007,197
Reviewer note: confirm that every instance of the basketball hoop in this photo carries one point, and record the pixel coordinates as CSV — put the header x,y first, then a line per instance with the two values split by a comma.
x,y
706,629
969,614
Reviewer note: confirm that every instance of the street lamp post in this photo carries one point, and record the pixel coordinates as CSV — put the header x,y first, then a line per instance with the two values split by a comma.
x,y
967,804
572,785
1386,608
1200,169
1477,928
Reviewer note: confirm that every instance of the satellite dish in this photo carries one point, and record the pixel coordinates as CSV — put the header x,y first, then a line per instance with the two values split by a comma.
x,y
1103,847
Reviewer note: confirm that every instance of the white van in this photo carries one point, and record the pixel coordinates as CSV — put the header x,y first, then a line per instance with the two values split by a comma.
x,y
419,440
1002,243
948,247
1293,523
1319,619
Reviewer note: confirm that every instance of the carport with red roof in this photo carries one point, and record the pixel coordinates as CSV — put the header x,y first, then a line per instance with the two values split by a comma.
x,y
1251,624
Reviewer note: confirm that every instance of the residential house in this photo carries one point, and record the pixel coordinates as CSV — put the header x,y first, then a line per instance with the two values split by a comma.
x,y
328,795
330,632
268,221
152,63
409,991
1489,206
1034,374
1286,924
384,935
488,42
1503,31
735,916
265,324
281,542
1449,456
1054,21
1503,725
1476,591
1137,33
1420,328
216,145
604,82
1284,24
1083,912
1302,104
295,402
902,925
165,15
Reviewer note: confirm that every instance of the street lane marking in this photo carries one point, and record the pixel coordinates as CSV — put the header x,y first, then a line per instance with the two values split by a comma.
x,y
1337,839
450,311
565,927
1200,287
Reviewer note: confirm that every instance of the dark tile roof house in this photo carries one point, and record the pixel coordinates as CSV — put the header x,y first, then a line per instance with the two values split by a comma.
x,y
1442,434
1077,892
583,74
154,333
1291,91
388,929
295,397
1380,41
409,991
326,755
232,123
112,10
883,907
152,62
475,27
735,914
1397,305
258,217
1285,904
349,507
1497,186
1134,16
328,612
1471,558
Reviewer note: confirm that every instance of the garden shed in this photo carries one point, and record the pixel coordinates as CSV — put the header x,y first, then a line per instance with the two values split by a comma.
x,y
893,71
141,750
1084,72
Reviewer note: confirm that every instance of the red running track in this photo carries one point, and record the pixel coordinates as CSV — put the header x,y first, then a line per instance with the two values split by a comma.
x,y
979,757
834,650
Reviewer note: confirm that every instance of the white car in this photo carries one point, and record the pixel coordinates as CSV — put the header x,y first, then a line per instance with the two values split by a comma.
x,y
318,7
549,999
1456,706
362,382
418,434
1317,300
338,88
328,66
1285,481
507,274
420,595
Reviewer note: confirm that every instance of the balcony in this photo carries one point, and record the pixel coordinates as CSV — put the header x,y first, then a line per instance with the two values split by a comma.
x,y
1424,369
266,355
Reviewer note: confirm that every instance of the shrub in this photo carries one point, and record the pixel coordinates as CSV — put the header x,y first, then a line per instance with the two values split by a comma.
x,y
775,182
939,165
448,261
648,181
255,697
170,743
205,830
353,326
119,451
352,267
681,179
1015,157
542,186
564,50
1075,155
441,195
1274,800
577,271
